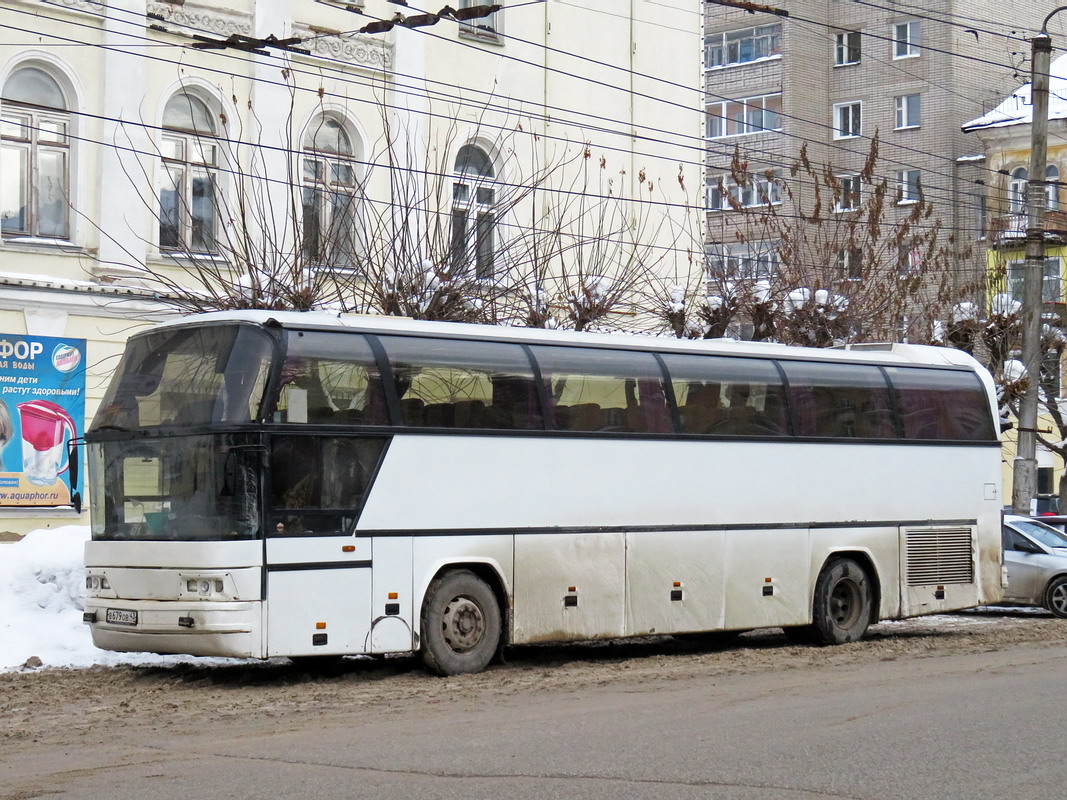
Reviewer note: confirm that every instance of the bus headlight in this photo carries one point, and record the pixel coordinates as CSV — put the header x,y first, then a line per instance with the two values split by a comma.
x,y
97,585
206,587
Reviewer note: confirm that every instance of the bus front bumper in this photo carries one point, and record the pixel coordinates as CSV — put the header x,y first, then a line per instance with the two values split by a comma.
x,y
227,629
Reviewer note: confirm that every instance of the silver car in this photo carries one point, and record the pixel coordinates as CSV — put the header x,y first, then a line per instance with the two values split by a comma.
x,y
1035,557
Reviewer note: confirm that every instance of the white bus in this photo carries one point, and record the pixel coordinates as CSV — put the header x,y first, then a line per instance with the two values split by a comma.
x,y
298,484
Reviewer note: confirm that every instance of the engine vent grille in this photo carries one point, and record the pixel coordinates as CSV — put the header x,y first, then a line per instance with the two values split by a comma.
x,y
940,556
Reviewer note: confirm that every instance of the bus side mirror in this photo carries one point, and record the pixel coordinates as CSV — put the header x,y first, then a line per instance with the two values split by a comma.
x,y
72,460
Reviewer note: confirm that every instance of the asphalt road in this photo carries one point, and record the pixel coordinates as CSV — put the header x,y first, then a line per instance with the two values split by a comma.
x,y
973,725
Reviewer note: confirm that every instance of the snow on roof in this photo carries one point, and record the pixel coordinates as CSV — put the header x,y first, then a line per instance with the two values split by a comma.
x,y
1017,110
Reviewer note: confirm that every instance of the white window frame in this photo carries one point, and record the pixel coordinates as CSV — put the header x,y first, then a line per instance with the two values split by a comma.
x,y
851,197
32,142
327,183
488,30
907,180
761,191
1051,279
760,38
474,202
1052,187
848,120
850,264
189,143
746,261
846,44
906,106
906,38
1017,182
744,116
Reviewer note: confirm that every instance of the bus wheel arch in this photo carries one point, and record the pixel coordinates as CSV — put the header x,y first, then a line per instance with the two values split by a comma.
x,y
843,601
462,619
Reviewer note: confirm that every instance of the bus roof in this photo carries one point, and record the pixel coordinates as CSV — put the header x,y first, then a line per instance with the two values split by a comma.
x,y
887,354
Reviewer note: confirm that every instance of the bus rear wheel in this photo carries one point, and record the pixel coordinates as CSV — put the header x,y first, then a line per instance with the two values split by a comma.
x,y
841,610
461,624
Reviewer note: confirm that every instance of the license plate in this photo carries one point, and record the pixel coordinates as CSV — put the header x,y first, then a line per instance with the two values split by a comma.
x,y
120,616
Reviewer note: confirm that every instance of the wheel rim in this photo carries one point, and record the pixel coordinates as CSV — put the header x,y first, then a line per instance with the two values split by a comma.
x,y
463,624
1058,599
846,600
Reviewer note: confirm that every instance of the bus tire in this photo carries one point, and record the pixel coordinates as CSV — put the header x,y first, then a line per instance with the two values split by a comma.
x,y
461,624
1056,597
841,610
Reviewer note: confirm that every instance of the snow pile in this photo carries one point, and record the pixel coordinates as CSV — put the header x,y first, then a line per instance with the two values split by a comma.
x,y
42,586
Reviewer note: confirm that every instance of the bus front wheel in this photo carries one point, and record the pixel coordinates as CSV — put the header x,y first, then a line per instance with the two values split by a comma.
x,y
461,625
841,610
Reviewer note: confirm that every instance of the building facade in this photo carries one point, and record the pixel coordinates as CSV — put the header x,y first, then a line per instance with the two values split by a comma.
x,y
832,78
164,156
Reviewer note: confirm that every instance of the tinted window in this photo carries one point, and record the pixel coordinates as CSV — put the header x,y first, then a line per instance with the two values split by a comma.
x,y
330,378
740,396
188,376
318,483
942,404
450,383
603,390
839,400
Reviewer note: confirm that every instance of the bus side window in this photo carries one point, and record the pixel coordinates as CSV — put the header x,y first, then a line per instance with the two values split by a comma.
x,y
330,379
727,396
604,390
840,401
318,483
455,383
942,404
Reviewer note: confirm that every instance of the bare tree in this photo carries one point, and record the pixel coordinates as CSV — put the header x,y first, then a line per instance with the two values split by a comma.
x,y
821,258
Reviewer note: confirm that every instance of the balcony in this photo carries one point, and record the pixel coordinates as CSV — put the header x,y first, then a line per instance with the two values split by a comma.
x,y
1011,228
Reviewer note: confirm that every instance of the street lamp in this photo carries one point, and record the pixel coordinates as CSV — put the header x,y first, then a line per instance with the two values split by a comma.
x,y
1024,469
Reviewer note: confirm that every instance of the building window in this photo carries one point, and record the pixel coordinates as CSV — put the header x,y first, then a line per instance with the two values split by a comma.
x,y
847,48
188,183
1052,187
850,263
34,156
909,111
745,115
848,119
909,186
484,29
473,215
763,190
1017,190
1051,280
742,46
329,195
848,193
906,39
752,261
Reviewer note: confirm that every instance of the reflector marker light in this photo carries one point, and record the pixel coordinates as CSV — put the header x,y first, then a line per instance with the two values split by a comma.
x,y
348,548
320,626
394,595
572,588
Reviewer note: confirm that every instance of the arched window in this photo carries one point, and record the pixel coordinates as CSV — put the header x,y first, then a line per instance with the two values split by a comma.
x,y
34,156
188,181
1052,187
329,197
473,217
1017,190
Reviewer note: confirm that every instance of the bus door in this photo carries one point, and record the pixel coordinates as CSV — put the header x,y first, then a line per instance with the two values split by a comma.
x,y
318,585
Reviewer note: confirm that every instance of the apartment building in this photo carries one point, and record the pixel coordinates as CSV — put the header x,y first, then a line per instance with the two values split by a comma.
x,y
831,76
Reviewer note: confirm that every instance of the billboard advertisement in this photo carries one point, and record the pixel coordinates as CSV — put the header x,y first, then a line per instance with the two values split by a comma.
x,y
42,407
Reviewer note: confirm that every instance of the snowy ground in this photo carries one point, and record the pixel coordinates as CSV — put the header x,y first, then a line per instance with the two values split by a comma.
x,y
42,585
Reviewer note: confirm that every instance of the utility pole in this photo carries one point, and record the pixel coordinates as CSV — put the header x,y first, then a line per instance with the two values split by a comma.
x,y
1024,474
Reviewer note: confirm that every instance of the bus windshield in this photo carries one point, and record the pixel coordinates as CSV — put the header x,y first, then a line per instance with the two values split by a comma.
x,y
188,376
176,488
